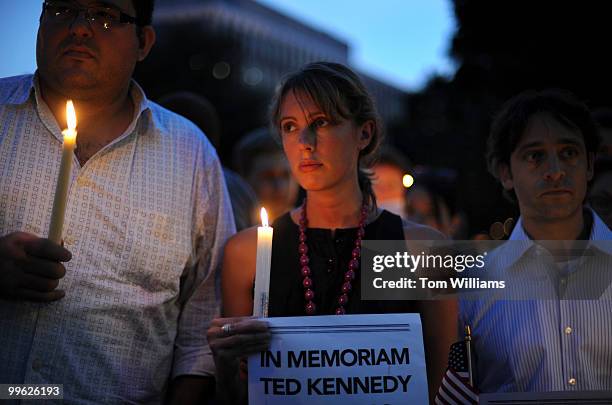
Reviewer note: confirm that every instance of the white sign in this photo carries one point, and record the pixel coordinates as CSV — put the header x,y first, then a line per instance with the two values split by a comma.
x,y
356,359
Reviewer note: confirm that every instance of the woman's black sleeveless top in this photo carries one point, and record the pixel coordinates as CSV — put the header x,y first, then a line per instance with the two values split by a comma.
x,y
329,257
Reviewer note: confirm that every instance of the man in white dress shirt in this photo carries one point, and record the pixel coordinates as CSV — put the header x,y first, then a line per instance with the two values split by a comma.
x,y
119,313
559,338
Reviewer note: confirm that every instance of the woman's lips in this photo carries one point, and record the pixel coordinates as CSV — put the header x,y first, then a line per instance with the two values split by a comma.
x,y
309,165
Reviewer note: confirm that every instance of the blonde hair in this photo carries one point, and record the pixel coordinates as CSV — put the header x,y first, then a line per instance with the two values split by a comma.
x,y
340,94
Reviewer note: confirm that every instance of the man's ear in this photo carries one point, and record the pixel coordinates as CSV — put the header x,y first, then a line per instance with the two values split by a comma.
x,y
590,166
505,176
365,135
146,40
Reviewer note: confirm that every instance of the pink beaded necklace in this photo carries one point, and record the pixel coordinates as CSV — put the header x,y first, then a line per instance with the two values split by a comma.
x,y
349,275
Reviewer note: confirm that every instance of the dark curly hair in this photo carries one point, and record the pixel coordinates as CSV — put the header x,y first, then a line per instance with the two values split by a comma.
x,y
510,123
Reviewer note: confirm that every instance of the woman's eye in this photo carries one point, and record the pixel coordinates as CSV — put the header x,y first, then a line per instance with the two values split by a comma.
x,y
288,127
320,122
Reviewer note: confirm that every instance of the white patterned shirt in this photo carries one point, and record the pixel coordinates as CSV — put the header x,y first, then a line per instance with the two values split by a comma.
x,y
146,221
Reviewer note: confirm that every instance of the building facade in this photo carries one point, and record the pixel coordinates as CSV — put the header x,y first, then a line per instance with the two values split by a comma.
x,y
234,52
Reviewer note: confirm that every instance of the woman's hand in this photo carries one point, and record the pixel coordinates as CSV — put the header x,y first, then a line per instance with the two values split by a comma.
x,y
231,341
233,338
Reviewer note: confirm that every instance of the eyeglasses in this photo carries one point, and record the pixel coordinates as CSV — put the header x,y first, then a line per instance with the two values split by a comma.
x,y
103,16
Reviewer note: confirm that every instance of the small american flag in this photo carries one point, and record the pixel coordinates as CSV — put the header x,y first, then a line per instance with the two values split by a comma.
x,y
455,388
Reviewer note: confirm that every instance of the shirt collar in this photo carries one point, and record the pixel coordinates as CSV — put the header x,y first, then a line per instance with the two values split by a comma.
x,y
19,92
519,244
139,98
30,84
600,238
142,108
601,235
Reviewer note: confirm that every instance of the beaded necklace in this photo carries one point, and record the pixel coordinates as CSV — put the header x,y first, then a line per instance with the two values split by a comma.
x,y
349,275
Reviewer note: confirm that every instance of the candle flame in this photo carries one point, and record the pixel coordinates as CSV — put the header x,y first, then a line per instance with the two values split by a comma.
x,y
71,115
264,217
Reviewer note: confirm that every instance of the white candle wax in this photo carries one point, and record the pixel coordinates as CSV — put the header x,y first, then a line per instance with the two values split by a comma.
x,y
63,178
262,272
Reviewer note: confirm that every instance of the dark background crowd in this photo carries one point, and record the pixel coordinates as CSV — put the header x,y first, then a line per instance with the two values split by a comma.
x,y
231,53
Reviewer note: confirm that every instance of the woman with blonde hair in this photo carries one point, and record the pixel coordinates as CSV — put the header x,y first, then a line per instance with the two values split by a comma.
x,y
330,131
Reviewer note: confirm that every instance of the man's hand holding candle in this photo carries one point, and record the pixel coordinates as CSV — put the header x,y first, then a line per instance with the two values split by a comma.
x,y
31,267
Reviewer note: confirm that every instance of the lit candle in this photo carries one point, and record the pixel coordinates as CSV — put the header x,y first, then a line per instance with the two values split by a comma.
x,y
262,269
63,178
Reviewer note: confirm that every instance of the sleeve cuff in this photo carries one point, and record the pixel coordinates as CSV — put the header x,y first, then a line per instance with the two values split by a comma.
x,y
193,362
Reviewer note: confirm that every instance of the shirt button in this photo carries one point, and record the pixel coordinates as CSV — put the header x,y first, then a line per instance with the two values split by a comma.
x,y
571,381
568,330
563,280
36,364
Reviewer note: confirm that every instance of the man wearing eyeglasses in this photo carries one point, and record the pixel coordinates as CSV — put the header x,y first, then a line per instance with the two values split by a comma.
x,y
118,312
